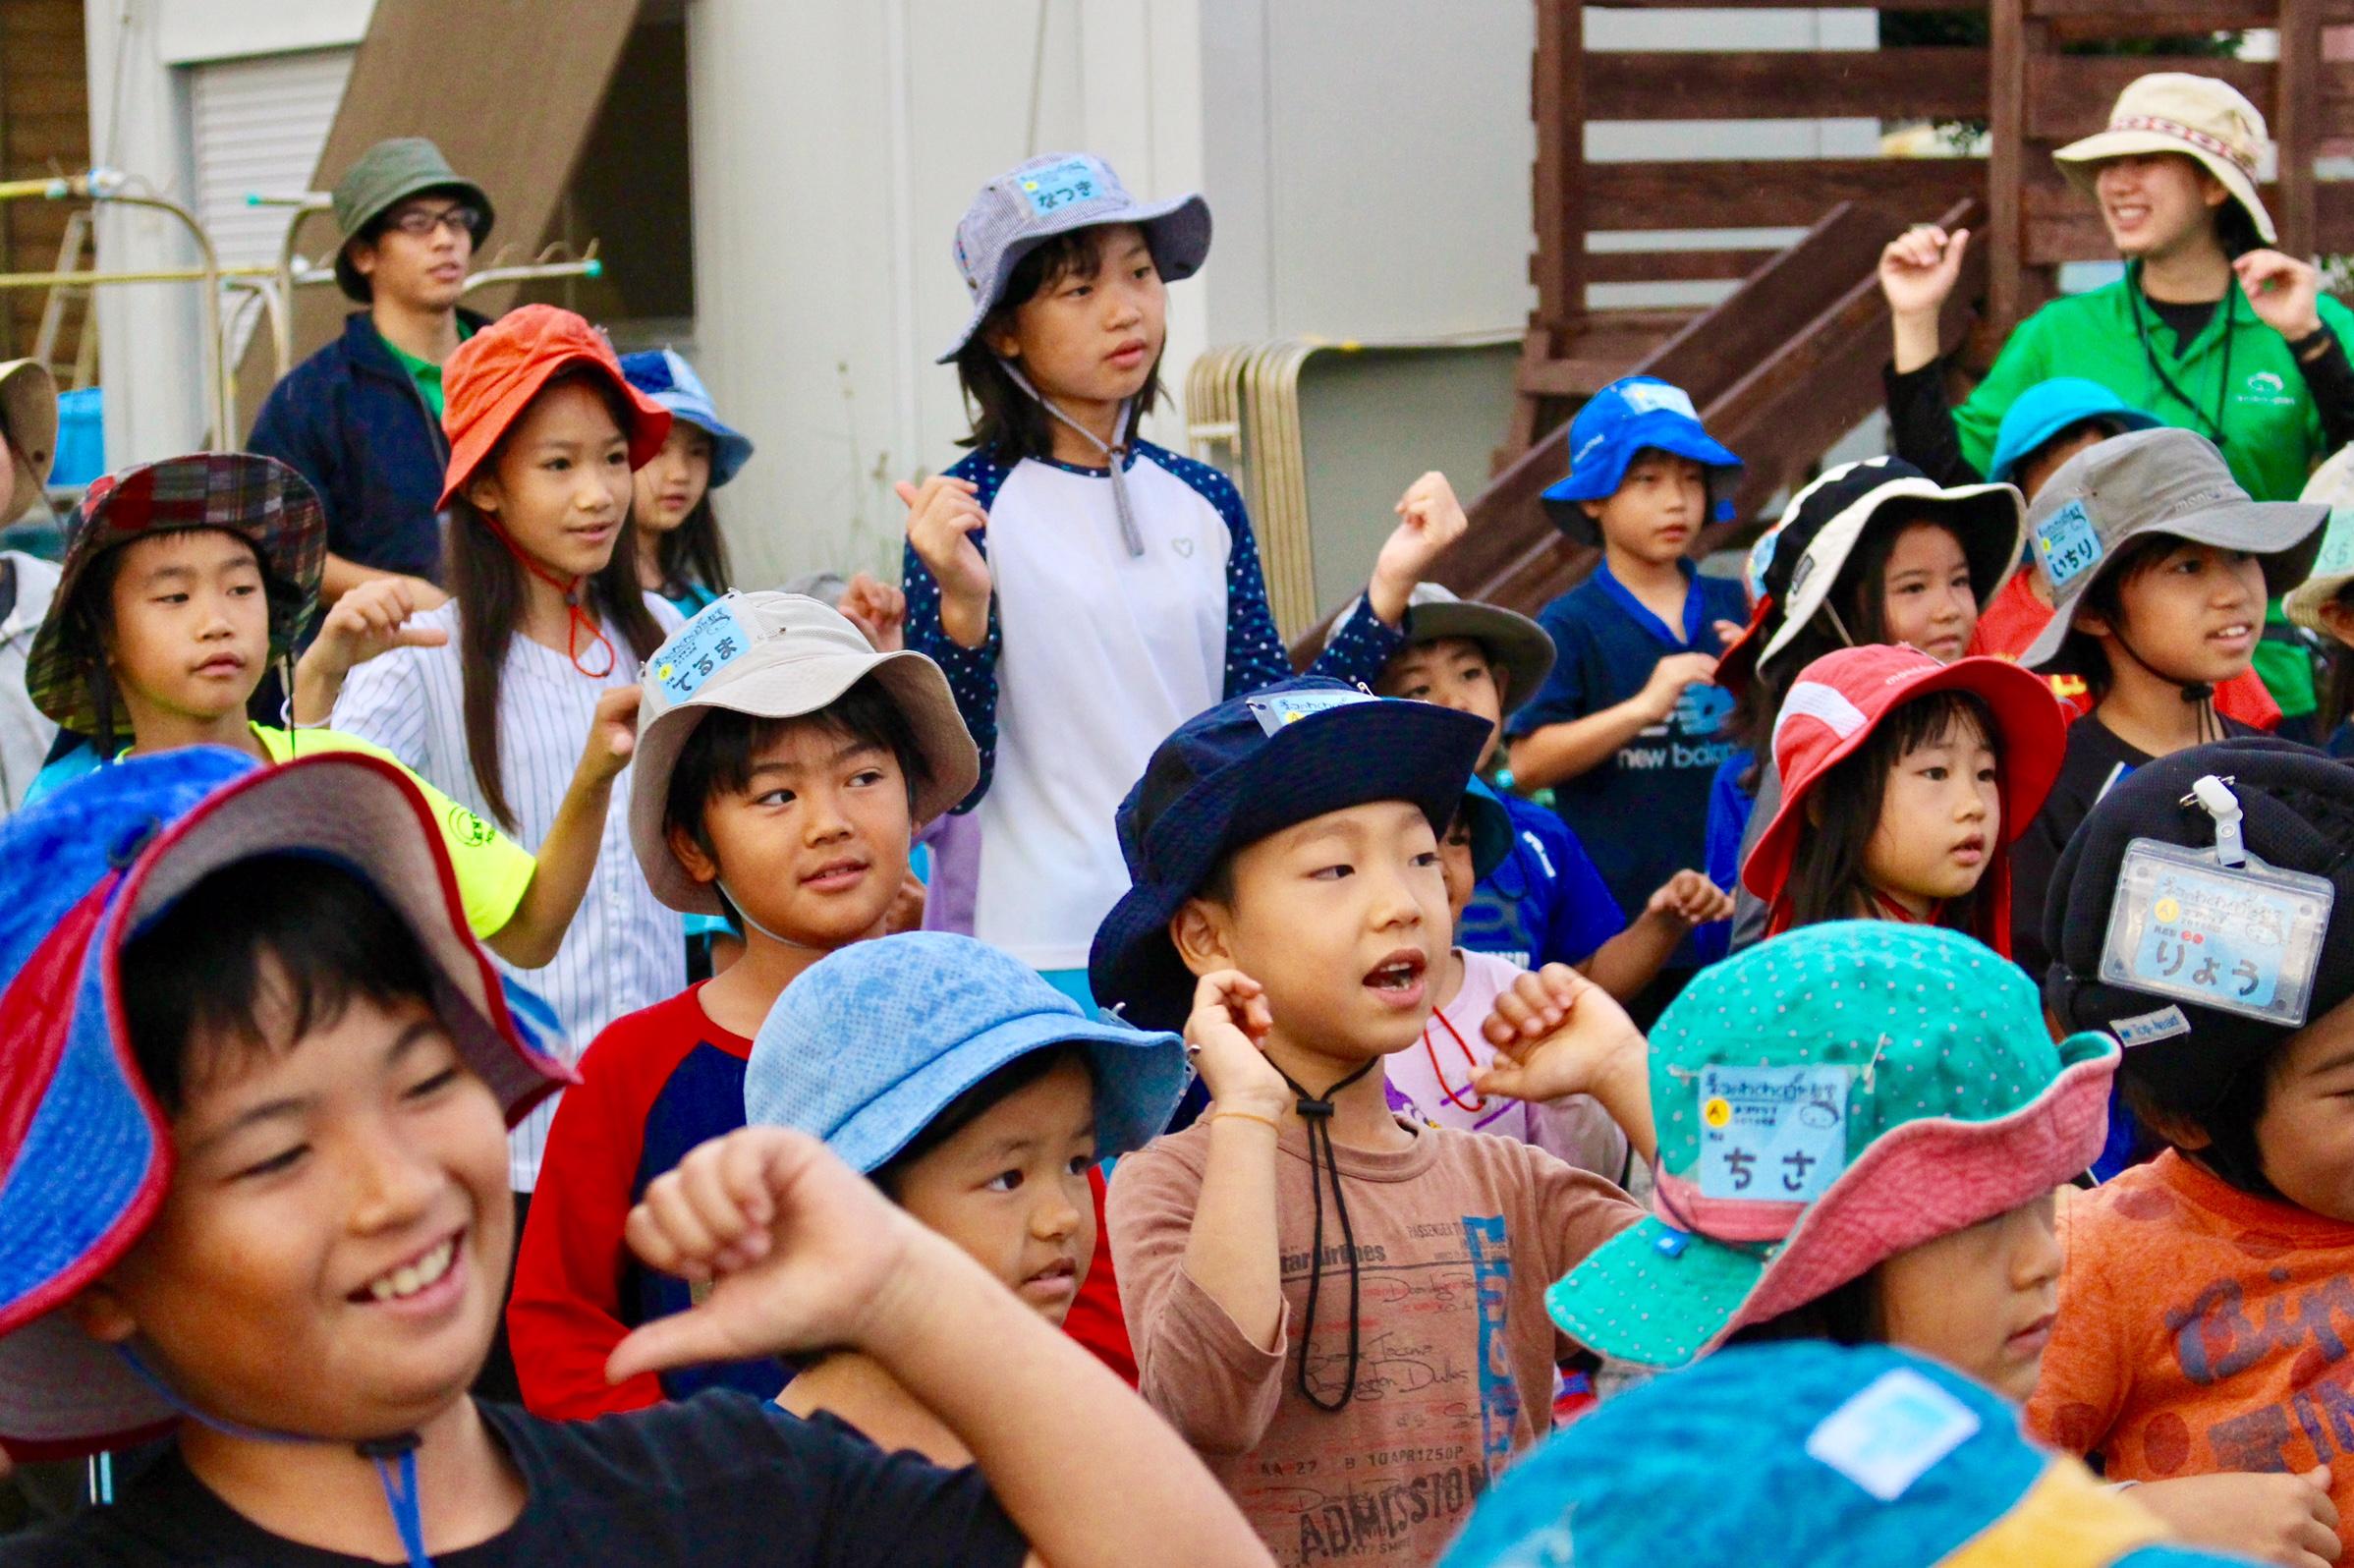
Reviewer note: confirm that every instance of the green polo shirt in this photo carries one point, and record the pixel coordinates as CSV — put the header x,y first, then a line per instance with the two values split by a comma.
x,y
2272,430
425,372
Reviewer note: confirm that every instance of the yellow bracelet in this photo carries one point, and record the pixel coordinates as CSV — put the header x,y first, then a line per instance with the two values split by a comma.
x,y
1247,1116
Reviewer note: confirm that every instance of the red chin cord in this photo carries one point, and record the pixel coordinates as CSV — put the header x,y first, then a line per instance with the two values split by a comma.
x,y
577,619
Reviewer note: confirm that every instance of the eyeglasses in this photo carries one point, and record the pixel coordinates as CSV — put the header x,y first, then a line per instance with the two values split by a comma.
x,y
421,222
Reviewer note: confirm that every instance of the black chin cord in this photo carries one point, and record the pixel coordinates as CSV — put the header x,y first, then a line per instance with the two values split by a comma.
x,y
1316,1111
2197,693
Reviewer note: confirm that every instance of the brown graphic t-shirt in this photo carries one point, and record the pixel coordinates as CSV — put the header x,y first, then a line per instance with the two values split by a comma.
x,y
1457,1238
2202,1329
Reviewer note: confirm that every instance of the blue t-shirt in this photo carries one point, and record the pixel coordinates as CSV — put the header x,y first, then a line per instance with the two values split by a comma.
x,y
1545,903
1730,808
1644,814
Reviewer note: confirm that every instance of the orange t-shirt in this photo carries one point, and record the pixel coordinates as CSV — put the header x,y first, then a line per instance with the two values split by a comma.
x,y
2202,1329
2015,618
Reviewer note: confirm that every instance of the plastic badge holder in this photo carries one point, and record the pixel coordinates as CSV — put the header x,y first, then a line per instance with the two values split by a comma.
x,y
700,649
2243,939
1072,179
1274,710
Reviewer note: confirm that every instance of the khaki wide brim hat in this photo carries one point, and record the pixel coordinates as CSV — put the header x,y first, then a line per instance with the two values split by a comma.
x,y
2188,116
28,410
2332,485
776,656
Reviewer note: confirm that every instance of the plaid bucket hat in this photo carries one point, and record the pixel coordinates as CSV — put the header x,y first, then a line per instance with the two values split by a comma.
x,y
2165,481
776,655
1055,193
492,378
1802,1455
1826,1100
1241,771
872,1044
1832,709
2192,116
258,499
86,1154
382,179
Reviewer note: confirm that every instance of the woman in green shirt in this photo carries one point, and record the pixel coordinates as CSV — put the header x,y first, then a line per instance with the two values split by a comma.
x,y
2208,329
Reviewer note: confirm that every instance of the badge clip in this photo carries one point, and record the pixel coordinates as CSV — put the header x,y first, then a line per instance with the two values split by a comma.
x,y
2213,795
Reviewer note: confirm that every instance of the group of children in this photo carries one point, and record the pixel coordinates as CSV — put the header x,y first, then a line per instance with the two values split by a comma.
x,y
1248,1180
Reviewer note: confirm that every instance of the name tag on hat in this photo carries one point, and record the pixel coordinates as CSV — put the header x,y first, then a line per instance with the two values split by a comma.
x,y
699,651
1277,709
2243,939
1643,398
1775,1135
1887,1436
2067,544
1072,179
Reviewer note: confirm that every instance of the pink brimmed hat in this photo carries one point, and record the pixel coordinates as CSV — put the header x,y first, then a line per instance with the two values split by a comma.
x,y
1840,699
1826,1100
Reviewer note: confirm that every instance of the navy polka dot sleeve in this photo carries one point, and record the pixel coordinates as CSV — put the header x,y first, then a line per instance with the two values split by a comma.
x,y
971,671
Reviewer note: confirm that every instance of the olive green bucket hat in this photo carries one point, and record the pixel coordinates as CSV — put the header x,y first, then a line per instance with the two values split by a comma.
x,y
1826,1100
386,173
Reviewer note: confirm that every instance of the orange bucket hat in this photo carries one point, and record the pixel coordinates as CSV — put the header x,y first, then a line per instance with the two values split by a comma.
x,y
496,373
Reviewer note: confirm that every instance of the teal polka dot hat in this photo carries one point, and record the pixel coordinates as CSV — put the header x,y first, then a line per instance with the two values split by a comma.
x,y
1826,1100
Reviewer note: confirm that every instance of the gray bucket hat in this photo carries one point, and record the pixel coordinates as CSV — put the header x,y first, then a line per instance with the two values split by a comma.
x,y
2165,481
775,655
391,172
1523,648
29,414
1053,194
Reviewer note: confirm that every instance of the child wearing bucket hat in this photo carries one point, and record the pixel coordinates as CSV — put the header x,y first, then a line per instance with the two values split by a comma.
x,y
1904,782
1627,728
1871,552
1307,1277
1066,557
264,1077
2160,567
361,418
2207,329
184,583
28,583
981,1101
2323,606
1867,1457
1858,1128
1540,901
680,553
782,767
2204,913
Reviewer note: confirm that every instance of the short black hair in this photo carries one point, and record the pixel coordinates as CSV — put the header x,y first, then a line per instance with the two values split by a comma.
x,y
1005,417
1845,1315
2080,652
2227,1114
976,1103
719,756
290,936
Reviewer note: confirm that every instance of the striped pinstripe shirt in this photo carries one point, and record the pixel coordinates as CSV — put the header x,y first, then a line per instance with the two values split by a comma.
x,y
625,949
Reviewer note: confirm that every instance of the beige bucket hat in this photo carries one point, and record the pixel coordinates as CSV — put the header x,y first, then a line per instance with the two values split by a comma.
x,y
2332,485
2194,117
28,410
776,655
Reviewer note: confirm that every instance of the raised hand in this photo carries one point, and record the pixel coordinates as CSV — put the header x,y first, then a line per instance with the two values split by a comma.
x,y
1222,1035
942,516
367,622
1556,1033
1919,268
612,736
2283,291
1430,519
1691,898
878,609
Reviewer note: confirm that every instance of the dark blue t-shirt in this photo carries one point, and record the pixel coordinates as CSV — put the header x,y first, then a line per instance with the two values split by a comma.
x,y
1644,814
1545,903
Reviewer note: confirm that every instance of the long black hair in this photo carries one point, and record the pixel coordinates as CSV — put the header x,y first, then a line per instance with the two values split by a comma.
x,y
693,554
1004,417
487,582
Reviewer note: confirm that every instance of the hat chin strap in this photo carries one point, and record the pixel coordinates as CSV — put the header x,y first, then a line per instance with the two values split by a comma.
x,y
737,905
575,619
394,1456
1114,452
2197,693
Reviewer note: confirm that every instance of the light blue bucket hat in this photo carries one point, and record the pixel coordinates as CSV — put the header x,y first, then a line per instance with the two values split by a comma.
x,y
666,376
2050,409
1033,203
873,1043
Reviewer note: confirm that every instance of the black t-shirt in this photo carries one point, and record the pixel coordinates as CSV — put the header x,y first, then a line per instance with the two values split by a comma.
x,y
710,1482
2095,760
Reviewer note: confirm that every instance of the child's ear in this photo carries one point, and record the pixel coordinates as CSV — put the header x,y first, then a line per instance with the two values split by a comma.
x,y
1593,509
101,1313
689,855
1814,809
1003,343
1199,929
482,491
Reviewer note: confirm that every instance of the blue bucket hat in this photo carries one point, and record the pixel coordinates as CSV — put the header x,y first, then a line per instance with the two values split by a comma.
x,y
1033,203
1623,418
86,1153
1801,1454
873,1042
2047,409
666,377
1248,768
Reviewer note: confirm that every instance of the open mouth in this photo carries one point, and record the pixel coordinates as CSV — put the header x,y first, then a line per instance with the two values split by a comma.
x,y
835,875
2238,635
1971,851
1061,1274
1398,978
413,1277
2126,216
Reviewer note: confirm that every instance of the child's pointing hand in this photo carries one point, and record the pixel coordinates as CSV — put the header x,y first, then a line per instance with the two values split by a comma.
x,y
1430,519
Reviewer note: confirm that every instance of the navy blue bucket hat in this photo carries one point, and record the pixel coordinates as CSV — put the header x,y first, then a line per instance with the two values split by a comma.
x,y
873,1042
86,1154
1629,415
1248,768
1803,1454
